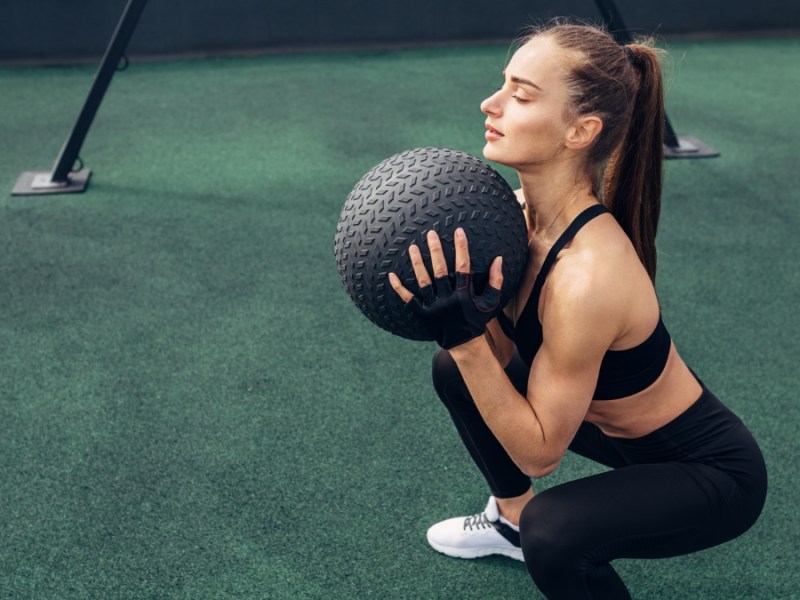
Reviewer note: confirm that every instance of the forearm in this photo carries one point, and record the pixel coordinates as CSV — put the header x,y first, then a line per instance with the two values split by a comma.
x,y
509,414
501,346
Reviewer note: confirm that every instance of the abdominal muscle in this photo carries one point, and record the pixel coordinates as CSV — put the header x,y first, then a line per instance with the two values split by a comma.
x,y
675,390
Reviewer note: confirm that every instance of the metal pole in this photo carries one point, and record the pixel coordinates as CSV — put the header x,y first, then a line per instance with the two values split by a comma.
x,y
61,179
613,20
674,146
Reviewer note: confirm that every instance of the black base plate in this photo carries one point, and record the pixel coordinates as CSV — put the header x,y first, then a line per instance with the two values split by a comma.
x,y
689,147
33,183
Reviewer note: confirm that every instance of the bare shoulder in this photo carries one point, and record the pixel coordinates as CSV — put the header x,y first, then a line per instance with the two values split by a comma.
x,y
600,263
598,282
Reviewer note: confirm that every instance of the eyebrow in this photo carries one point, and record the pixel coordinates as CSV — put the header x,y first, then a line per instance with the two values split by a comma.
x,y
520,80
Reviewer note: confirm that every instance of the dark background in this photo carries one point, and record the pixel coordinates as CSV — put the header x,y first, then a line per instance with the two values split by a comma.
x,y
58,30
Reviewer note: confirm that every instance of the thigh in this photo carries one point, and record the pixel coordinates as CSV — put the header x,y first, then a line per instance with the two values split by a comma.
x,y
637,511
593,444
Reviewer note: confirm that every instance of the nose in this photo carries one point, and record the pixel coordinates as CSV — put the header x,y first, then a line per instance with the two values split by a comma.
x,y
491,106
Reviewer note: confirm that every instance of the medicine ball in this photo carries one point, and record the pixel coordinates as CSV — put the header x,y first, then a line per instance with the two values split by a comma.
x,y
398,201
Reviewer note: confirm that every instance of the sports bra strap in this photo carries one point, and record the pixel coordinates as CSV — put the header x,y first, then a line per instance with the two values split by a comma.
x,y
587,215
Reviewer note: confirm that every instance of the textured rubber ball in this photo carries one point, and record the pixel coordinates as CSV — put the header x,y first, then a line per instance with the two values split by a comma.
x,y
398,201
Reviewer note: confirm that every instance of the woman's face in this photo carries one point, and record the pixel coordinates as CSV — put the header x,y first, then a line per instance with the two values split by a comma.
x,y
525,119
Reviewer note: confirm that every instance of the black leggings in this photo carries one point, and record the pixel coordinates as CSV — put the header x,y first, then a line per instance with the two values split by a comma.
x,y
696,482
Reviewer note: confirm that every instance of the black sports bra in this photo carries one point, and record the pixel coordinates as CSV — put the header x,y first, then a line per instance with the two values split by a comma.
x,y
622,372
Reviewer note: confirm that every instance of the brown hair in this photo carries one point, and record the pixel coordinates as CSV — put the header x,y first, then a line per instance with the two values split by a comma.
x,y
623,87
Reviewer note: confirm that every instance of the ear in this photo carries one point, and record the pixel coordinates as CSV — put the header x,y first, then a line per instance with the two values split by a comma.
x,y
583,132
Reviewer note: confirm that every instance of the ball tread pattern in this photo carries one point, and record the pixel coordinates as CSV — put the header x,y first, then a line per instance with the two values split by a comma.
x,y
398,201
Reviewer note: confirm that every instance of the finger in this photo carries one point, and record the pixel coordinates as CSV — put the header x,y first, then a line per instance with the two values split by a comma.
x,y
398,287
489,300
462,251
496,273
437,255
421,273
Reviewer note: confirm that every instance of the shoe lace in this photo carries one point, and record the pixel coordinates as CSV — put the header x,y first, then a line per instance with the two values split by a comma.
x,y
478,521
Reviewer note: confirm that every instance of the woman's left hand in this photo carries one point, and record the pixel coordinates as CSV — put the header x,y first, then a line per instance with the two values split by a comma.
x,y
452,316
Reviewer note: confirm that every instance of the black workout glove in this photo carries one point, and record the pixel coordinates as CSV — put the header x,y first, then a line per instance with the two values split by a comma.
x,y
455,316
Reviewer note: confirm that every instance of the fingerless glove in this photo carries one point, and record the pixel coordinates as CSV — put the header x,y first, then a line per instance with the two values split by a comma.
x,y
455,316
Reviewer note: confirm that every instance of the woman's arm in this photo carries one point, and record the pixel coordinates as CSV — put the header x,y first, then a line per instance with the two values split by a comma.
x,y
502,347
536,429
581,319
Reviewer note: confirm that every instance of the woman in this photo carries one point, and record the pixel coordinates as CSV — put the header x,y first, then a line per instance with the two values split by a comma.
x,y
580,359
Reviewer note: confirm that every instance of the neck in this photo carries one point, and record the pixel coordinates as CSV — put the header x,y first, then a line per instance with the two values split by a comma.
x,y
553,199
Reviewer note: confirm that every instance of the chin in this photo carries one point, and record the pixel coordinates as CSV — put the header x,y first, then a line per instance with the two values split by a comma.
x,y
491,153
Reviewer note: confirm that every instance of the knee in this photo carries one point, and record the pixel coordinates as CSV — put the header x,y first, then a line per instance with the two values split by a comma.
x,y
547,544
449,384
444,372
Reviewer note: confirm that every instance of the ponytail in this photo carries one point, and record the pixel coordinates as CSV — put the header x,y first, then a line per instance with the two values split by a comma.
x,y
623,87
634,174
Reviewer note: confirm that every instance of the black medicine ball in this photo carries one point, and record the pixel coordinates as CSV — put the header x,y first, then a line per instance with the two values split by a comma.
x,y
398,201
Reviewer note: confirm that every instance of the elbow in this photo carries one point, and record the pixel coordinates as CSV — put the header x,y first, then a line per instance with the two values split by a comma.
x,y
537,469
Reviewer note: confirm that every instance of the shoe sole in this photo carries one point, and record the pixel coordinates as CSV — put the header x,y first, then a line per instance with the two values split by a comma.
x,y
515,553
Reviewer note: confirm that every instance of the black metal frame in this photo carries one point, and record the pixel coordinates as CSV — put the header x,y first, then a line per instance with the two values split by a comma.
x,y
62,179
675,146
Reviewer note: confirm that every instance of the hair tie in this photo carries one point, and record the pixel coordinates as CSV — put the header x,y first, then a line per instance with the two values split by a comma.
x,y
632,58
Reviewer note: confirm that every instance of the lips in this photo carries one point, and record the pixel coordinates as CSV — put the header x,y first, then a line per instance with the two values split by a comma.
x,y
492,133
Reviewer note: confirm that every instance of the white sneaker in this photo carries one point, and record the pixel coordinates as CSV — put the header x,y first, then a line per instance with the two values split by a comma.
x,y
479,535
